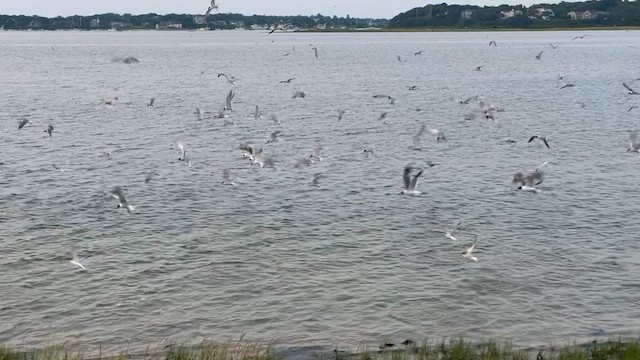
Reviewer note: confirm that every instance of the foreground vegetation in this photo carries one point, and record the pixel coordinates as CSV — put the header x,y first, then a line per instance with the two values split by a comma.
x,y
454,349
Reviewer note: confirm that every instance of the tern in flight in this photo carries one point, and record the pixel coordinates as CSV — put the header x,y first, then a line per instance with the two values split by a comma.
x,y
213,6
410,183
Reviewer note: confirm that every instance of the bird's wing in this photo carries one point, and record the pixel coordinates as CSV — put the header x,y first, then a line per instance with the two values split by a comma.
x,y
406,176
628,88
117,191
414,181
545,142
423,128
533,137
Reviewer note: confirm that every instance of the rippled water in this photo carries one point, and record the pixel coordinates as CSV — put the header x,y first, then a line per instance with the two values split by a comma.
x,y
340,263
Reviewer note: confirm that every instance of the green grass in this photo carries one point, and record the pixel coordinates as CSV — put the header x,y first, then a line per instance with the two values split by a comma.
x,y
452,349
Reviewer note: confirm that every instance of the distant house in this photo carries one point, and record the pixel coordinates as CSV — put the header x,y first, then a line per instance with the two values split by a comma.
x,y
94,23
199,19
174,26
511,13
237,23
163,25
466,14
582,15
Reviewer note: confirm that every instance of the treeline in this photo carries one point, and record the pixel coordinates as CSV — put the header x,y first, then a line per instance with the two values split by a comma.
x,y
604,12
188,21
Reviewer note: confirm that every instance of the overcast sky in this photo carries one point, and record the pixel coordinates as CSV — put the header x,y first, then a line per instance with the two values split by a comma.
x,y
355,8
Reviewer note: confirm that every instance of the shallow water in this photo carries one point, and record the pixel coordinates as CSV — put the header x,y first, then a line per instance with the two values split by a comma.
x,y
342,262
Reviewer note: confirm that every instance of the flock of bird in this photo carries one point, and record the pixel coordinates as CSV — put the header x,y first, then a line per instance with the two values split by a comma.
x,y
525,180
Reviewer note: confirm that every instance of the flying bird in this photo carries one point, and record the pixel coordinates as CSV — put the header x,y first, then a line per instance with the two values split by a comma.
x,y
632,107
315,155
299,94
479,68
211,7
528,180
543,139
231,79
493,42
341,114
579,37
473,98
439,135
448,233
288,81
256,114
119,195
410,183
227,179
75,260
49,130
315,50
553,46
183,156
631,91
467,254
566,86
151,101
539,56
274,136
634,145
22,122
198,113
417,53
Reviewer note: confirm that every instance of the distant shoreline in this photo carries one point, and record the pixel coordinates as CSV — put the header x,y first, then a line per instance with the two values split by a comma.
x,y
361,30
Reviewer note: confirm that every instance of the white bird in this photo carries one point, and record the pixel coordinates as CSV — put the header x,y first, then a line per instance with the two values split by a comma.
x,y
231,79
439,135
488,110
118,194
409,183
634,145
227,179
75,261
449,234
468,251
211,7
315,155
183,157
256,114
528,180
